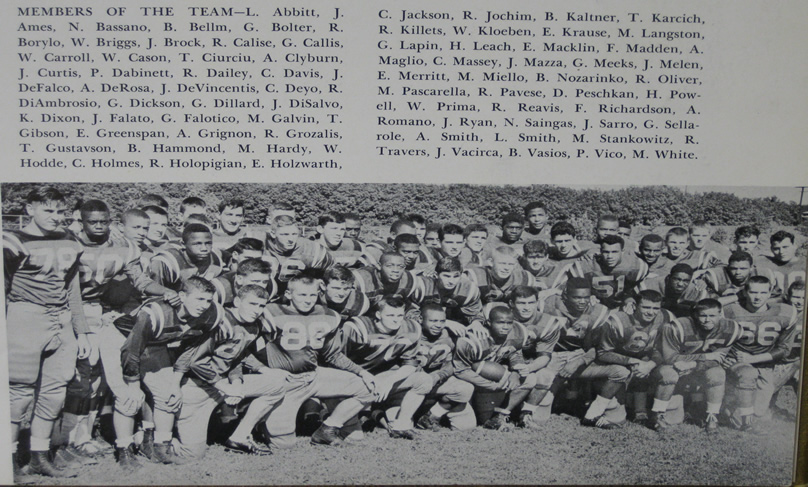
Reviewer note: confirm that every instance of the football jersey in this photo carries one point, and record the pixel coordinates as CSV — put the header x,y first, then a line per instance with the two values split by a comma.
x,y
435,354
697,259
785,274
170,268
544,330
223,240
720,284
470,349
373,252
468,257
545,275
578,332
307,254
347,253
368,347
719,251
660,268
683,341
493,289
223,351
100,263
226,288
577,252
678,305
356,304
624,337
769,330
294,342
611,286
461,303
370,282
39,269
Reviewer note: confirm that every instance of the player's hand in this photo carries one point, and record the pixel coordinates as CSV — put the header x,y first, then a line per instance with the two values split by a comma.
x,y
642,369
430,273
629,307
743,357
514,381
522,369
729,360
234,393
133,397
84,346
369,380
571,368
477,330
383,390
171,297
108,318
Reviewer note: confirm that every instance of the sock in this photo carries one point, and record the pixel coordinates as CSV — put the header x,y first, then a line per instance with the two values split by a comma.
x,y
529,408
502,411
713,407
40,444
597,408
746,411
659,406
613,403
547,400
13,447
330,422
162,436
438,411
124,441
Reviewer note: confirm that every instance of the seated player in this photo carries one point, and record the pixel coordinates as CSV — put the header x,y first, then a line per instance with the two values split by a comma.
x,y
474,238
650,251
565,243
678,252
431,239
249,272
156,354
290,254
727,281
784,262
215,376
700,241
353,226
612,272
679,291
386,346
503,345
758,361
452,290
339,293
46,326
416,257
693,348
575,349
503,273
451,241
512,227
625,352
299,338
451,395
391,278
345,250
535,260
230,218
171,267
375,249
536,217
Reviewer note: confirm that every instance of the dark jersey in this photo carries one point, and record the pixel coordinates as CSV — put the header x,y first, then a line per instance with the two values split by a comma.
x,y
370,282
307,255
768,330
347,253
375,351
624,337
356,304
101,263
578,332
171,267
678,305
461,303
494,289
544,330
611,286
226,288
683,341
221,355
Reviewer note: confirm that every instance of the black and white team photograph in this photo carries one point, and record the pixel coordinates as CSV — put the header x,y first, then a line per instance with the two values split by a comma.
x,y
201,333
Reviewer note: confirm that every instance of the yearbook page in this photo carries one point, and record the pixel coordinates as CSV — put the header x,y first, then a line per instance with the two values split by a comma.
x,y
558,242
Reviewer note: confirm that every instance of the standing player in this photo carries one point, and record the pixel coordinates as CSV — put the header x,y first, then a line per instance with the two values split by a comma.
x,y
345,250
451,241
692,349
678,252
474,238
747,239
230,230
700,241
785,264
537,217
45,322
299,337
758,361
290,254
535,260
375,249
565,243
497,282
650,251
353,226
512,227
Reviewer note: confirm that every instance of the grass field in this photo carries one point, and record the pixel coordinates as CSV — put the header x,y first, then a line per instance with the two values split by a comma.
x,y
561,452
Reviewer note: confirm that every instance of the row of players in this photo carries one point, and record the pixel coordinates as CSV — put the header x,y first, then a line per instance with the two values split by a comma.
x,y
97,274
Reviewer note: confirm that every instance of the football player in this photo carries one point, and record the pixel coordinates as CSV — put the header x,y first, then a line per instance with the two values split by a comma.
x,y
536,217
747,239
678,252
339,293
451,241
498,280
391,278
157,353
386,345
700,233
512,226
156,238
230,217
606,225
431,239
726,282
290,254
256,272
353,226
679,291
452,290
298,337
375,249
758,362
417,258
419,222
535,259
46,326
650,251
475,236
693,348
171,267
565,243
345,250
784,262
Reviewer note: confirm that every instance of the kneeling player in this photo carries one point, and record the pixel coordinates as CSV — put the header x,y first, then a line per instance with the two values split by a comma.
x,y
692,350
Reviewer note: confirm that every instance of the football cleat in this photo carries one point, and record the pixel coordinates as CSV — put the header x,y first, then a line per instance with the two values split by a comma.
x,y
126,458
41,464
164,453
749,425
498,422
94,448
402,434
248,446
147,445
326,435
600,422
711,424
428,422
68,457
640,417
526,420
20,474
657,421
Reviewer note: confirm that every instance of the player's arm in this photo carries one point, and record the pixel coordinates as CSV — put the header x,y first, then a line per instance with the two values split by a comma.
x,y
444,372
132,349
142,282
333,352
608,345
160,272
12,259
462,364
472,309
75,304
544,345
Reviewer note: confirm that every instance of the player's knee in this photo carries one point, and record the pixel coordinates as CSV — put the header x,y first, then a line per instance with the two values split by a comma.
x,y
421,383
715,376
545,378
745,376
666,375
463,392
618,373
